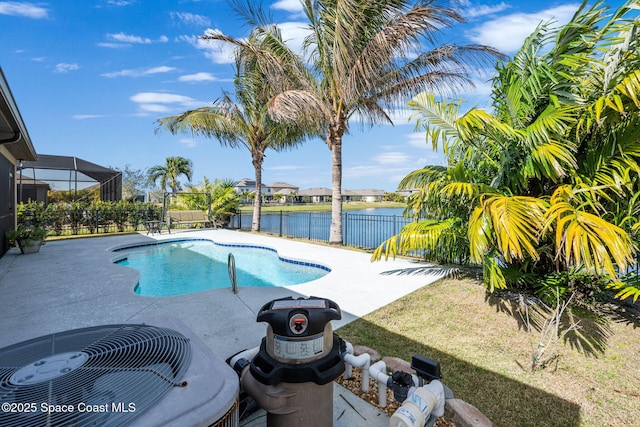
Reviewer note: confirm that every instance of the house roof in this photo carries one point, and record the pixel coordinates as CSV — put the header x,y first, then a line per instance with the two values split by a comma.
x,y
26,180
246,182
13,132
282,185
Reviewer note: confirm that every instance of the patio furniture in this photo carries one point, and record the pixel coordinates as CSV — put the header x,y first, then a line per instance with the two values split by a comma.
x,y
190,218
154,227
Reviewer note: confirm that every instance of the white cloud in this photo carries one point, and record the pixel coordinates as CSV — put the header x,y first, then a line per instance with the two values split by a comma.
x,y
188,142
28,10
153,108
392,158
139,72
191,19
160,69
128,38
416,139
117,40
112,45
161,97
294,6
162,102
65,68
286,168
120,2
507,33
197,77
482,10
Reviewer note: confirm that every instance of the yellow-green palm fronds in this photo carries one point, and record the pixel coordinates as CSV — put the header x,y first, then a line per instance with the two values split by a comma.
x,y
510,223
582,238
416,236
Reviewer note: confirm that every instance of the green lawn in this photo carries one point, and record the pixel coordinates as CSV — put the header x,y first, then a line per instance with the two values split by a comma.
x,y
485,354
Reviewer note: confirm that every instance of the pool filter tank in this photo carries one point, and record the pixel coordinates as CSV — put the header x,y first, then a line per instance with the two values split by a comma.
x,y
291,375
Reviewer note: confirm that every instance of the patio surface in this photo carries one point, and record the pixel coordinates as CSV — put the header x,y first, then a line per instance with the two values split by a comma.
x,y
73,284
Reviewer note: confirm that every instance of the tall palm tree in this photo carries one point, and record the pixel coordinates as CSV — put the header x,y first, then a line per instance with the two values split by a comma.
x,y
362,61
169,173
548,182
244,123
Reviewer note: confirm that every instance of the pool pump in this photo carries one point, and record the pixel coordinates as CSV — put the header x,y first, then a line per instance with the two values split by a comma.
x,y
291,374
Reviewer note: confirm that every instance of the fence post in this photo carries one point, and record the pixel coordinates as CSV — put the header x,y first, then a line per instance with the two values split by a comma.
x,y
395,225
345,227
309,228
280,223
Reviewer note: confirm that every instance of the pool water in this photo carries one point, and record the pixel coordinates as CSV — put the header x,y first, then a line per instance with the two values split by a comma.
x,y
181,267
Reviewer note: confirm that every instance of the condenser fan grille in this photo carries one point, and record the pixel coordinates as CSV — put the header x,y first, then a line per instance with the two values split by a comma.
x,y
103,375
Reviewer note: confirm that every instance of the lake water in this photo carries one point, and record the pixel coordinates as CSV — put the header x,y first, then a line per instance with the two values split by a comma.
x,y
365,228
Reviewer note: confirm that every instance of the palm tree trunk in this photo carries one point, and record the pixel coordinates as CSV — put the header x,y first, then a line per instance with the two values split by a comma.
x,y
335,235
257,200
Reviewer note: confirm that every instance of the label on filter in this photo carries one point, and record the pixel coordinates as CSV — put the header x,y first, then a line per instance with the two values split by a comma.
x,y
287,348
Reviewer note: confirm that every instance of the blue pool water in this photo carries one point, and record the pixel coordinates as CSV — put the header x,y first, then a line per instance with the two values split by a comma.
x,y
181,267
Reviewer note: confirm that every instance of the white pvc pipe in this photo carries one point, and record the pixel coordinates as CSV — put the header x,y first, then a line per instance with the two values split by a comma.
x,y
244,354
347,367
362,361
377,371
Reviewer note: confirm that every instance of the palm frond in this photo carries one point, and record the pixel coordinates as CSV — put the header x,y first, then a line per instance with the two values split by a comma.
x,y
509,223
420,236
627,286
582,238
492,273
438,118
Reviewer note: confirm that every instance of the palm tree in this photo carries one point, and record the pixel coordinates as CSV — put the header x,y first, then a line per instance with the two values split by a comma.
x,y
548,182
362,60
243,123
169,173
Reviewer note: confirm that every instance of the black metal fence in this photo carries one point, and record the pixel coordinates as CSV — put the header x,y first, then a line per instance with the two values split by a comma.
x,y
358,230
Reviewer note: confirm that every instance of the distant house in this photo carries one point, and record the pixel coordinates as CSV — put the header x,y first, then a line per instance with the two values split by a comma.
x,y
369,195
32,189
15,148
246,184
282,192
277,186
316,195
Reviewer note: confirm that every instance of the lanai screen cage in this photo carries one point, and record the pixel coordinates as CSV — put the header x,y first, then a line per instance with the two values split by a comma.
x,y
70,174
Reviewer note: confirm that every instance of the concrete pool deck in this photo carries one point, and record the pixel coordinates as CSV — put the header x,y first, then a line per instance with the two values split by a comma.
x,y
72,284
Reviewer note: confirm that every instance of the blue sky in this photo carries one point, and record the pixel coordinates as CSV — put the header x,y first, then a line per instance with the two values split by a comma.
x,y
91,77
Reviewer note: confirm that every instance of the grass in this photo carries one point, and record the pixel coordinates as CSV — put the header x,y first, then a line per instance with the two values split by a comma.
x,y
483,349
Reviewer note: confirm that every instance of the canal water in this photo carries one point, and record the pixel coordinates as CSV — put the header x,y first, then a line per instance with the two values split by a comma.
x,y
365,228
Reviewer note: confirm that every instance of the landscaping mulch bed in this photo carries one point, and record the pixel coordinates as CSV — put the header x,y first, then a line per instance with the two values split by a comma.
x,y
353,385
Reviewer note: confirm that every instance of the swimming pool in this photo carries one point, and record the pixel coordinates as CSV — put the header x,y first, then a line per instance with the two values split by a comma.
x,y
192,265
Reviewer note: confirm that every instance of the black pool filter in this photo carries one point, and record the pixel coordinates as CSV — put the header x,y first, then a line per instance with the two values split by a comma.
x,y
291,375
